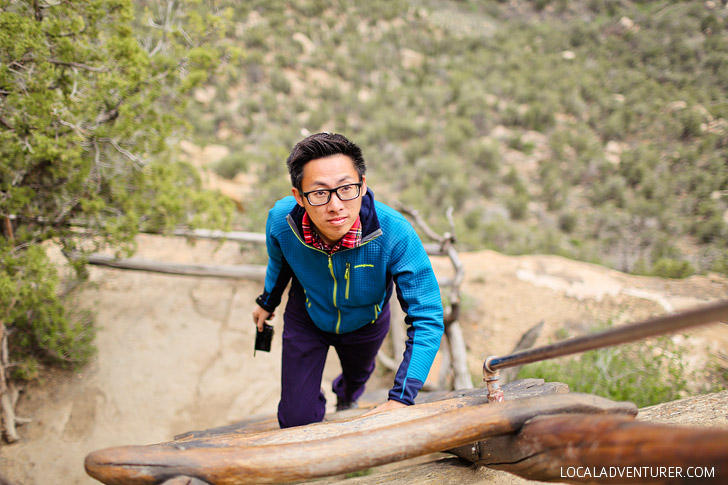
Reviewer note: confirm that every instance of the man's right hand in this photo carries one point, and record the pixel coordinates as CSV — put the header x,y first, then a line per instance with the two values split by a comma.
x,y
260,315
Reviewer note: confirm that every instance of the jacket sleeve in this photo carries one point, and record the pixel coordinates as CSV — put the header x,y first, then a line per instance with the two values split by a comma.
x,y
278,272
419,296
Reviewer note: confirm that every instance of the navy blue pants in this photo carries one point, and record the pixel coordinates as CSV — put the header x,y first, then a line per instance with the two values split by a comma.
x,y
305,347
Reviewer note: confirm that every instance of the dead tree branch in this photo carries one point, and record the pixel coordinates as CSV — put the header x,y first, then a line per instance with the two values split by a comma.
x,y
7,391
453,331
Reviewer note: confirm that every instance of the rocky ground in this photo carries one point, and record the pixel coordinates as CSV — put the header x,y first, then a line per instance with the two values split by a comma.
x,y
175,353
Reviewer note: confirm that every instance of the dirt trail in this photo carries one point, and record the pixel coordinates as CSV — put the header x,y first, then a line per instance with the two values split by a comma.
x,y
176,353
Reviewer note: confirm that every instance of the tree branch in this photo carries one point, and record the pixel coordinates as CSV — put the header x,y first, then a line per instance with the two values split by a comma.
x,y
79,65
123,151
38,11
8,229
7,410
6,124
421,222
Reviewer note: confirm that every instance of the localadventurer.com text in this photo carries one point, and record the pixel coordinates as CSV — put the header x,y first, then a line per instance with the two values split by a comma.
x,y
637,472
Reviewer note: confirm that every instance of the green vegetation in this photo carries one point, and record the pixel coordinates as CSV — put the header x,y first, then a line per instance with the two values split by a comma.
x,y
87,111
644,373
360,473
596,130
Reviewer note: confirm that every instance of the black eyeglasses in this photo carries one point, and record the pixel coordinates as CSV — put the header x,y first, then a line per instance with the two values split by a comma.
x,y
323,196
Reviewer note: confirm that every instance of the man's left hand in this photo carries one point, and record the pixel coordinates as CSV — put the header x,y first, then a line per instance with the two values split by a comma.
x,y
387,406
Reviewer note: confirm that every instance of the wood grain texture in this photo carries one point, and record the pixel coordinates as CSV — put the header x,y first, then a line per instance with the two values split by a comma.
x,y
335,447
519,389
604,449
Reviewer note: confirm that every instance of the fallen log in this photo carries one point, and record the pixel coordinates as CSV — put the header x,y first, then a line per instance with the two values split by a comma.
x,y
334,447
605,449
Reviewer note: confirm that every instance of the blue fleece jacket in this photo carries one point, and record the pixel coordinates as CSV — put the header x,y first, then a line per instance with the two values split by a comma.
x,y
347,289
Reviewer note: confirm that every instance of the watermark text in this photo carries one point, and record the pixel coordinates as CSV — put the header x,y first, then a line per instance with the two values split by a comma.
x,y
637,472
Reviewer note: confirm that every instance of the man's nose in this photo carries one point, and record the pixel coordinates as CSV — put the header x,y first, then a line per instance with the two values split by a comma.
x,y
335,203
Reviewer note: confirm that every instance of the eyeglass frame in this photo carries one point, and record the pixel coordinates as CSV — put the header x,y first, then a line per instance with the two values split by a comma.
x,y
333,191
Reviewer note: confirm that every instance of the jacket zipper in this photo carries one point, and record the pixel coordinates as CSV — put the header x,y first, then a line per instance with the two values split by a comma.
x,y
331,269
346,277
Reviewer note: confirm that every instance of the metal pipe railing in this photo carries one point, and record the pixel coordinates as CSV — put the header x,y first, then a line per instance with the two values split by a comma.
x,y
614,336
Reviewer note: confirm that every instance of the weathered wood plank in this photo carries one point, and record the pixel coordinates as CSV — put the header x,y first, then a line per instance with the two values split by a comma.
x,y
604,449
520,389
217,271
238,236
334,447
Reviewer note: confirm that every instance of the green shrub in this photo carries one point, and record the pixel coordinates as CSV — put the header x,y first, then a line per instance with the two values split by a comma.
x,y
553,188
516,142
487,156
720,263
567,222
517,205
645,373
616,126
711,230
279,82
44,330
612,190
671,268
539,117
231,165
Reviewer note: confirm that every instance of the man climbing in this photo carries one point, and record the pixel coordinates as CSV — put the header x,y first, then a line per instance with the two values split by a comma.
x,y
343,252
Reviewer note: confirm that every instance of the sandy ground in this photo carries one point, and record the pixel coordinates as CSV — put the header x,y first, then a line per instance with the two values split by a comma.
x,y
175,353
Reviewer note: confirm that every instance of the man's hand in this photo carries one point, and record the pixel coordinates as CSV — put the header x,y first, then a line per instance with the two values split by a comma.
x,y
260,315
385,407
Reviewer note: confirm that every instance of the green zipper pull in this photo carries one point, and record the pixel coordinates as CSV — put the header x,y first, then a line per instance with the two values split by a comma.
x,y
346,277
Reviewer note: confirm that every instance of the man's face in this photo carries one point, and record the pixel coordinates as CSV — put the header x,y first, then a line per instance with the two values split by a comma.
x,y
334,219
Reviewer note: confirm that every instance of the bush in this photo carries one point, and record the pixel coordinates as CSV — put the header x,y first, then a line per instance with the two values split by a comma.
x,y
487,156
645,373
612,190
44,331
567,222
711,230
279,82
553,189
517,205
231,165
538,117
671,268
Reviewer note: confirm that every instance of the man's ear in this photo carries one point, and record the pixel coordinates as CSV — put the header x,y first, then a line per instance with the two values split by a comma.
x,y
297,195
363,185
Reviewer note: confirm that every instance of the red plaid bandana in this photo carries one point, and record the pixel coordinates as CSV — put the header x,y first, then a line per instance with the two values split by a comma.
x,y
350,240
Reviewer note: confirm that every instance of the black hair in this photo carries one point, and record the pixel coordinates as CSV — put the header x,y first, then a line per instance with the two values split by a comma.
x,y
321,145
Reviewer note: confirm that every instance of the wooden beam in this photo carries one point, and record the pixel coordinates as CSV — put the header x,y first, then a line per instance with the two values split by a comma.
x,y
238,236
587,448
216,271
521,389
331,448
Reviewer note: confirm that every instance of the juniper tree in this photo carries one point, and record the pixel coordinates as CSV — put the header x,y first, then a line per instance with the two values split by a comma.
x,y
90,98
